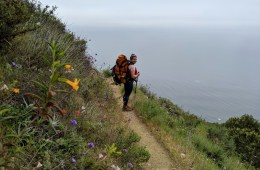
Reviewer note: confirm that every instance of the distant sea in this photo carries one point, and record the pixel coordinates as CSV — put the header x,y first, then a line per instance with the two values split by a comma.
x,y
212,72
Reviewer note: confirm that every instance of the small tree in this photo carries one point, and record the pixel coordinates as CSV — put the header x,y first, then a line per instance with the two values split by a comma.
x,y
246,133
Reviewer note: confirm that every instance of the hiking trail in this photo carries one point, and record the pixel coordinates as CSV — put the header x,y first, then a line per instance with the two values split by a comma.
x,y
160,159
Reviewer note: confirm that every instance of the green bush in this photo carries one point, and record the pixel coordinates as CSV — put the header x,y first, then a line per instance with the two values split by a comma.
x,y
127,140
146,90
246,133
213,151
170,107
107,72
244,122
219,135
136,156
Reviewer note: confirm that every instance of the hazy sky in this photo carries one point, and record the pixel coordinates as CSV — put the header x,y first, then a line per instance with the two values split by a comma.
x,y
157,13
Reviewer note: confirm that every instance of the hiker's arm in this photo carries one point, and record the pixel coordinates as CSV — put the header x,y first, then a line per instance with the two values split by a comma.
x,y
133,75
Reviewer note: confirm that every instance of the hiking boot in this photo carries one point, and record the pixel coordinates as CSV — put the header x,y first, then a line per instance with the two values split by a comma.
x,y
126,108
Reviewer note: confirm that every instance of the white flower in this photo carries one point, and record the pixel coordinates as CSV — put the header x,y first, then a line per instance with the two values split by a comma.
x,y
183,155
115,167
4,87
39,165
38,23
100,156
83,109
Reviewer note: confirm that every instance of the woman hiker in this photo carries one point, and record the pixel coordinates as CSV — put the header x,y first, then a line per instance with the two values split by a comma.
x,y
133,75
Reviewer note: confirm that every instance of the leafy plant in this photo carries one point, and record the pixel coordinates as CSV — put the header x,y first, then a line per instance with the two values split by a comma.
x,y
246,133
112,151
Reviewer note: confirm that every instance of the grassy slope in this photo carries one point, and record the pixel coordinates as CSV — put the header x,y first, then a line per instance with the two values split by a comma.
x,y
38,125
192,142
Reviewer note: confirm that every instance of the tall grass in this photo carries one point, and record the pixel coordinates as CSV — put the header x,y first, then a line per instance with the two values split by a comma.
x,y
192,142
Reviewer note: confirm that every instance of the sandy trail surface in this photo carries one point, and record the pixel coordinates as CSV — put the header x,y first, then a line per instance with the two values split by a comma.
x,y
159,159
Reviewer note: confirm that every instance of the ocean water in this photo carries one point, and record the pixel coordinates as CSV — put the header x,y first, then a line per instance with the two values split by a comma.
x,y
212,72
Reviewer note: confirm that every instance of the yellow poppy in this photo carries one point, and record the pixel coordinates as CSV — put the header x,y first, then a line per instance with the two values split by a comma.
x,y
15,90
67,66
74,85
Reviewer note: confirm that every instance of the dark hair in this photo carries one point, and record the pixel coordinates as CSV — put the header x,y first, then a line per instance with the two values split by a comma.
x,y
132,56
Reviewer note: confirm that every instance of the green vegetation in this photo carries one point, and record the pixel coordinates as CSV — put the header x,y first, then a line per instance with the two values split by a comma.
x,y
56,110
196,143
245,132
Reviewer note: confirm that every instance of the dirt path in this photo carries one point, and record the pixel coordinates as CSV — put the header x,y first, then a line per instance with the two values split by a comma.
x,y
159,159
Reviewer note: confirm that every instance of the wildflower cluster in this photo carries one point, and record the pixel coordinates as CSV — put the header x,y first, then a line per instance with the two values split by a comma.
x,y
7,89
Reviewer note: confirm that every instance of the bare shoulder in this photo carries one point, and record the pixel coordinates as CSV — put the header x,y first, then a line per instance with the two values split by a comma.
x,y
131,67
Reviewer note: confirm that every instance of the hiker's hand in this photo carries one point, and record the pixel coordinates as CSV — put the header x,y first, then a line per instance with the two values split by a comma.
x,y
138,74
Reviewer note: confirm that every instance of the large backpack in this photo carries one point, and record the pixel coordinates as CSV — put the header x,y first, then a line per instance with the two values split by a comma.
x,y
120,72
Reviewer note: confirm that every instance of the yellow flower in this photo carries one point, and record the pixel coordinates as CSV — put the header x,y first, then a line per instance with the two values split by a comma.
x,y
15,90
67,66
74,85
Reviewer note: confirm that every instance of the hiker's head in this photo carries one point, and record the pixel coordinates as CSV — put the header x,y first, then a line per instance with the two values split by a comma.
x,y
133,58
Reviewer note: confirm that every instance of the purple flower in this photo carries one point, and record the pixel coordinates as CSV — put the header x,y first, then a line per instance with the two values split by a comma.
x,y
91,145
73,122
50,71
106,97
124,150
130,165
73,160
14,64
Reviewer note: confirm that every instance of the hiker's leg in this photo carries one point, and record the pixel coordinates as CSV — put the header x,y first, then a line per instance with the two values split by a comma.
x,y
128,89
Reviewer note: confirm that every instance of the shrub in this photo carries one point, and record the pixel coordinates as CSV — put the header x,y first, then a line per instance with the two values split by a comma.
x,y
150,109
213,151
128,140
219,135
170,107
107,72
244,122
135,155
246,133
146,90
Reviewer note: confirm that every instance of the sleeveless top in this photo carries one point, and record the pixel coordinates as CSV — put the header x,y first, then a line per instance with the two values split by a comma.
x,y
131,67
